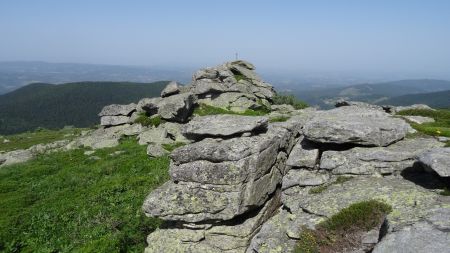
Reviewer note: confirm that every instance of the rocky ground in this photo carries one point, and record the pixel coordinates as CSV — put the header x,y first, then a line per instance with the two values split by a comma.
x,y
256,183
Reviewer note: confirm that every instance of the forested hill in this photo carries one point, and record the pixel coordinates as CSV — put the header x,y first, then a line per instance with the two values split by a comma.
x,y
440,99
76,104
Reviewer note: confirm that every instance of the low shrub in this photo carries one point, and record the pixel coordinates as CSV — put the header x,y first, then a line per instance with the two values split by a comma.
x,y
280,99
279,119
145,120
343,230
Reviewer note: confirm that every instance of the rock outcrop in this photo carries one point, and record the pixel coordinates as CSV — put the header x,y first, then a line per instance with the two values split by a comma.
x,y
355,125
249,184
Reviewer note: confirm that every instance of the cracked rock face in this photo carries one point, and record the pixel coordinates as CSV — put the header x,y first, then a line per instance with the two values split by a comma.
x,y
378,160
355,125
409,201
223,126
116,110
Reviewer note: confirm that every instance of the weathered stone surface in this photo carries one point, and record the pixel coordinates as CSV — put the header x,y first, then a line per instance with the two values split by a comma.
x,y
419,119
223,126
16,156
174,131
221,237
377,160
411,107
421,237
437,160
409,201
155,135
177,107
156,150
279,233
217,150
171,89
351,124
148,105
234,101
304,154
116,110
100,138
114,120
303,177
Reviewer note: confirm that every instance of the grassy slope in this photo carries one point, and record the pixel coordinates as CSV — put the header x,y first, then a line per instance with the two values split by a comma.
x,y
76,104
441,126
67,202
43,136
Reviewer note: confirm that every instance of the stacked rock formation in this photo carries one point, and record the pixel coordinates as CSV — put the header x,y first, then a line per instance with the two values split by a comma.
x,y
366,147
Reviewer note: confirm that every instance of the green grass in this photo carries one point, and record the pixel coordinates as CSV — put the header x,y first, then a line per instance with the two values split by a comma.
x,y
445,192
66,202
145,120
441,126
341,230
44,136
321,188
279,119
280,99
204,110
172,146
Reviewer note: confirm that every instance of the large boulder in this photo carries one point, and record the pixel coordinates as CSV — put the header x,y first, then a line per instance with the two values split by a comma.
x,y
177,107
114,120
116,110
437,160
377,160
355,125
219,126
171,89
216,180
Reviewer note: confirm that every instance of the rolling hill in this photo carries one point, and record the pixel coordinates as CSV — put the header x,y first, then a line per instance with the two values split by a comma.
x,y
372,93
440,99
76,104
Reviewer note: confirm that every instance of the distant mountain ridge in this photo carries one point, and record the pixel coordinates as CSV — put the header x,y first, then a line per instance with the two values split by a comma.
x,y
16,74
439,99
372,93
55,106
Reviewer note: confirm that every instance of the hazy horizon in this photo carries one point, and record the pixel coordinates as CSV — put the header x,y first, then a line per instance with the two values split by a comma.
x,y
405,38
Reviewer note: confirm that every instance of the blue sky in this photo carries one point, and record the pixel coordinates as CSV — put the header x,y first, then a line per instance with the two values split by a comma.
x,y
337,35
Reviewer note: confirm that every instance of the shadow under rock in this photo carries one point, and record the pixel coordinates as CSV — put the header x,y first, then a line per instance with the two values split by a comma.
x,y
428,180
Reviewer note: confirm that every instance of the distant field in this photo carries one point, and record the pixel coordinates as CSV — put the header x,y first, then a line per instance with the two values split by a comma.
x,y
70,202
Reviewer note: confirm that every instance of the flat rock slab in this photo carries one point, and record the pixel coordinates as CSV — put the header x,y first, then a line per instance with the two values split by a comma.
x,y
355,125
419,119
373,160
223,126
410,202
116,110
114,120
304,154
419,238
437,160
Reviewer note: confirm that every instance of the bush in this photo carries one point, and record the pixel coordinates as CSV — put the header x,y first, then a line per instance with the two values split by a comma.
x,y
145,120
289,100
341,230
279,119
